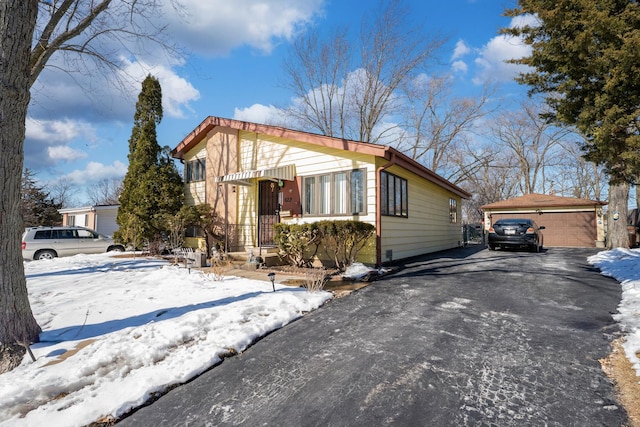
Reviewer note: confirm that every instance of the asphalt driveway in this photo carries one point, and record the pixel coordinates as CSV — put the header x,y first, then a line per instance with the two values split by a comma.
x,y
465,338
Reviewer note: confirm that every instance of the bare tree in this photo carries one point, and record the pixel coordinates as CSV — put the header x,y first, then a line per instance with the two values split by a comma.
x,y
494,179
345,90
438,124
525,135
95,34
318,87
64,191
92,33
105,192
579,177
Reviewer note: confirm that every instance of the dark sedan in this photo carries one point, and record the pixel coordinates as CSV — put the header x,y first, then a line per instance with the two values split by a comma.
x,y
516,233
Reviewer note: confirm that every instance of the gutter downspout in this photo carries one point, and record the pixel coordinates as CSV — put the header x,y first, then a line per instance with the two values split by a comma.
x,y
391,162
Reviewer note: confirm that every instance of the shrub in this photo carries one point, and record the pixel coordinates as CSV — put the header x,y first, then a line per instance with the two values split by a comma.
x,y
297,242
344,239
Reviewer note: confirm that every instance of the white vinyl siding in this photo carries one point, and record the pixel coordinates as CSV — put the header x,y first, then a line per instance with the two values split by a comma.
x,y
427,228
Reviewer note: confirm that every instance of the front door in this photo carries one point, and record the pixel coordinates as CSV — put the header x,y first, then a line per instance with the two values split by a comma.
x,y
268,212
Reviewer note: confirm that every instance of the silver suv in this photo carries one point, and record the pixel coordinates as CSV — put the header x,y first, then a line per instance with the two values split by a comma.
x,y
51,242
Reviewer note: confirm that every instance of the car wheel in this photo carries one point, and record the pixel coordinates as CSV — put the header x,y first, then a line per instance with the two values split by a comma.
x,y
48,254
116,248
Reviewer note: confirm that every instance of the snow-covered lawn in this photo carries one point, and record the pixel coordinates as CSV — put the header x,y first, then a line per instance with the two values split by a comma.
x,y
116,330
624,266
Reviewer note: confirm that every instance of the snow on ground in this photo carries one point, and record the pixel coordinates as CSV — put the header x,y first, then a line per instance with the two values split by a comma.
x,y
117,330
624,266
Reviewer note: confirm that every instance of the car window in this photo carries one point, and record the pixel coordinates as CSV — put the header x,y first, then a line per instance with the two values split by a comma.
x,y
42,234
86,234
63,234
520,223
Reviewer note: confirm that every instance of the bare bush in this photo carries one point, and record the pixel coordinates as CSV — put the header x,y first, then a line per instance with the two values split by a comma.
x,y
218,267
314,280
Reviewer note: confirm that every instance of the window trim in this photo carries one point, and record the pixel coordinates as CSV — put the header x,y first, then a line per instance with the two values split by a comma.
x,y
317,190
388,199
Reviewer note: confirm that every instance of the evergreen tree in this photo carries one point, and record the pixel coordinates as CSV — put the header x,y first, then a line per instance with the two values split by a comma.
x,y
152,187
585,57
38,208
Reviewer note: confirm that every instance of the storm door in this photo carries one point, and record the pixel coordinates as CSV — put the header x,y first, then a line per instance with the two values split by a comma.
x,y
268,211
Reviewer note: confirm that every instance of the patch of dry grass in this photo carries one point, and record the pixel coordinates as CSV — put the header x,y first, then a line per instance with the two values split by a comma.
x,y
618,368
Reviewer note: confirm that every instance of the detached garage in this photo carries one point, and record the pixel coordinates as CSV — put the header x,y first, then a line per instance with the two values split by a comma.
x,y
568,221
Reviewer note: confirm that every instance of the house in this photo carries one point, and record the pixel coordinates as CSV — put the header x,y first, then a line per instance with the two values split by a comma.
x,y
568,221
101,218
256,175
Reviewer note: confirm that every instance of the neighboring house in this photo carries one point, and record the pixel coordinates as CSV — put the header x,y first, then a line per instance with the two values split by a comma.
x,y
568,221
101,218
256,175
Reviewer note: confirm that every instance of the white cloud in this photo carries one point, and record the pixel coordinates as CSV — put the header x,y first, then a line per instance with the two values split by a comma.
x,y
95,172
218,26
64,152
459,67
55,131
258,113
460,50
177,92
492,63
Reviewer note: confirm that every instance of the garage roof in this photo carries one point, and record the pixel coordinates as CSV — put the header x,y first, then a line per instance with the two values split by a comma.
x,y
541,200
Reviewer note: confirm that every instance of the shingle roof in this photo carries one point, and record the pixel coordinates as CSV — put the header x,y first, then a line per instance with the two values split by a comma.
x,y
541,201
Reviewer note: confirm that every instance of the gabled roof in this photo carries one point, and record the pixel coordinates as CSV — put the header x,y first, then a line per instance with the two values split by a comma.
x,y
541,201
383,151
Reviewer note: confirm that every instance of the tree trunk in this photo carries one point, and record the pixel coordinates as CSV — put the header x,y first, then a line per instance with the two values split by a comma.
x,y
17,324
617,216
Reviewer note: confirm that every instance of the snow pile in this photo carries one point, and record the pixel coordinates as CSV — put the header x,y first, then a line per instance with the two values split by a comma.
x,y
118,330
624,266
359,271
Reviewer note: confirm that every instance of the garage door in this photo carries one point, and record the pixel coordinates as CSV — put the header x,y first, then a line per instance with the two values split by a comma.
x,y
574,229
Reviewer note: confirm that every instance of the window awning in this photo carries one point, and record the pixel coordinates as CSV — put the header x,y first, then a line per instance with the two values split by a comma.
x,y
285,173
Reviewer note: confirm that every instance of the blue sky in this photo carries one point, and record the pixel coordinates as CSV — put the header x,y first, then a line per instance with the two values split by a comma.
x,y
78,126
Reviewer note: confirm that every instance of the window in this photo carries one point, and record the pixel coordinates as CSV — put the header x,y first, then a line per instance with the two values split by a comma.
x,y
195,170
81,220
453,211
324,187
357,191
310,195
339,193
393,195
45,234
194,231
86,234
